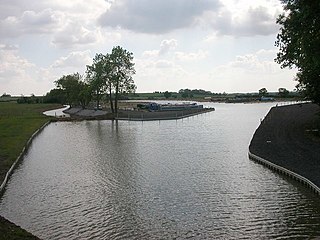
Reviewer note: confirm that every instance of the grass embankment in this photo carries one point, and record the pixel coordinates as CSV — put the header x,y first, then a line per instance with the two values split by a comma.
x,y
9,231
17,124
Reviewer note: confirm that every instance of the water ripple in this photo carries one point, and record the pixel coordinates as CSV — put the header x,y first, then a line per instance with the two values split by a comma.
x,y
186,179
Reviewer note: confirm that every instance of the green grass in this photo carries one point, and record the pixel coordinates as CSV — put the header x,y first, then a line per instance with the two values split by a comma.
x,y
17,123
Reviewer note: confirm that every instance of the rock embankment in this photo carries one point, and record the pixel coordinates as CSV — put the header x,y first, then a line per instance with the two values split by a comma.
x,y
286,138
85,112
159,115
133,115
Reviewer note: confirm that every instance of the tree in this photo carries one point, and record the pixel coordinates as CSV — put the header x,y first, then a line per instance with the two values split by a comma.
x,y
184,95
71,87
263,91
85,94
55,96
121,74
167,94
112,74
6,95
299,44
96,77
283,92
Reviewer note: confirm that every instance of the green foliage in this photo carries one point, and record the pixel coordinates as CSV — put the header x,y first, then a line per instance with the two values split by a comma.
x,y
188,93
71,90
283,92
29,100
167,94
5,95
299,44
112,74
56,95
98,76
109,74
122,71
184,94
70,85
263,91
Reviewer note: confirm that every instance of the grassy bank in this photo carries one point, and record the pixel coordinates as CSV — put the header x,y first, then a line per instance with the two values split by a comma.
x,y
17,123
9,231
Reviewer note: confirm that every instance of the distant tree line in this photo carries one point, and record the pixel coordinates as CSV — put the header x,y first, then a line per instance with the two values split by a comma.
x,y
109,76
204,94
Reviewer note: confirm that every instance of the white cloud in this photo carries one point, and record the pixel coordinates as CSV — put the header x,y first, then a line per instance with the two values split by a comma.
x,y
89,8
12,66
251,72
235,17
30,22
166,46
75,60
251,22
155,16
150,53
19,76
159,75
76,34
193,56
68,23
163,64
55,37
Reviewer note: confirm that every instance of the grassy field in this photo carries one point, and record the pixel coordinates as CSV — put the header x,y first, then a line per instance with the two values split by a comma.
x,y
17,123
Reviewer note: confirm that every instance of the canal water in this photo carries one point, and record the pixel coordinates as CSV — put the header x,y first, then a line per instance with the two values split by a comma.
x,y
181,179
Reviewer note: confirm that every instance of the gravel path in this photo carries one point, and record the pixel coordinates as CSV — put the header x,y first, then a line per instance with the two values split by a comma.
x,y
285,138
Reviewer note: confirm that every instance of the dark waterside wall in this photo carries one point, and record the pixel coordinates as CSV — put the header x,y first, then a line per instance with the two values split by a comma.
x,y
284,142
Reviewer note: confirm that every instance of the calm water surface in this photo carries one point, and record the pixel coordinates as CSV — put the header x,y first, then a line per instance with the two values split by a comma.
x,y
189,178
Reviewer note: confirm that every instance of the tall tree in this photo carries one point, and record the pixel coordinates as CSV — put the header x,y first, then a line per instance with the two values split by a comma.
x,y
85,94
112,74
96,77
299,43
122,71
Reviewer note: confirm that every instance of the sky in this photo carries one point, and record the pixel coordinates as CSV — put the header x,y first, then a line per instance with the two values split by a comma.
x,y
215,45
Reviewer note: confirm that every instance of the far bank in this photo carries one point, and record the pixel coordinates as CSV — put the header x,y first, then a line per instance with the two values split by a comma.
x,y
140,112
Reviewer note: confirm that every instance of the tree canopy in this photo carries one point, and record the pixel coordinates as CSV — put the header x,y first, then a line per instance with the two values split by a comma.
x,y
263,91
75,91
109,75
299,44
112,74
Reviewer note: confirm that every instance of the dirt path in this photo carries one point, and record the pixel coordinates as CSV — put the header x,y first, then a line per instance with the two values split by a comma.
x,y
284,138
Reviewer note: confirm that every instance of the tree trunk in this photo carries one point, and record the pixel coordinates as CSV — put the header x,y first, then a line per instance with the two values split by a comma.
x,y
110,98
116,98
